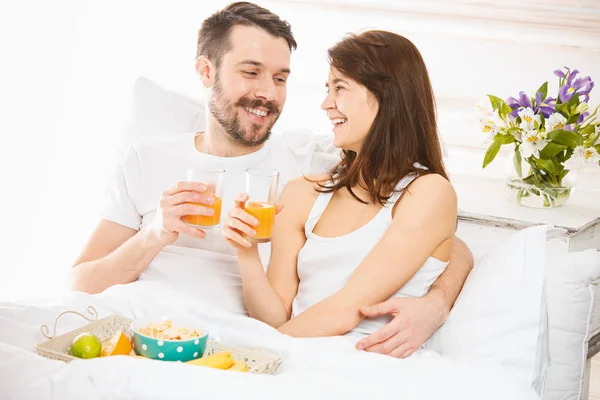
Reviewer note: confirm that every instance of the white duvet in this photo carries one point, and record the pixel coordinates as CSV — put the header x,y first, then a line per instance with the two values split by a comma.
x,y
327,368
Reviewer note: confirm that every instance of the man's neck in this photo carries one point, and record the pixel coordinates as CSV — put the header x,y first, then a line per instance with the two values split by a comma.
x,y
215,141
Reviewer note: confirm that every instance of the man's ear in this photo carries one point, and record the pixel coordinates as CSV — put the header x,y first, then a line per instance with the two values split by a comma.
x,y
206,71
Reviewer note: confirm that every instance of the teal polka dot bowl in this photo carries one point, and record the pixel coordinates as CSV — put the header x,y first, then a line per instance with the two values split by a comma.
x,y
169,350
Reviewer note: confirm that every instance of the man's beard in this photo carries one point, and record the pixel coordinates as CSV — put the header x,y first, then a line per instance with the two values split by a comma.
x,y
225,113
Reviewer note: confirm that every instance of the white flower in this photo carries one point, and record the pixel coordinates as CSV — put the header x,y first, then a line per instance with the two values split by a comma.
x,y
500,123
489,128
581,156
528,119
492,124
543,135
581,108
555,121
532,143
484,107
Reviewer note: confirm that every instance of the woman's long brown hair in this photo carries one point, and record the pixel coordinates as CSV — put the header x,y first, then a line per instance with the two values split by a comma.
x,y
404,131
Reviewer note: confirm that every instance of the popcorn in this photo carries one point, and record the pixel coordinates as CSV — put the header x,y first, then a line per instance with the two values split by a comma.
x,y
166,331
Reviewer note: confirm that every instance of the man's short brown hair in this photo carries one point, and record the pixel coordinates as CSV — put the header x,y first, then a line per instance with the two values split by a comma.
x,y
213,36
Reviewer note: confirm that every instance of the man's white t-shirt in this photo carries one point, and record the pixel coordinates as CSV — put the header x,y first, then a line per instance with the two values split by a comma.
x,y
205,268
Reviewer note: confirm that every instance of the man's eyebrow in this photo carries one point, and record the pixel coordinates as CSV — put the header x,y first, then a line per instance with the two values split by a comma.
x,y
252,62
259,64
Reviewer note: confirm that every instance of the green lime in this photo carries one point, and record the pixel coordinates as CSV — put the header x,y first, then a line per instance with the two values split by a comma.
x,y
86,345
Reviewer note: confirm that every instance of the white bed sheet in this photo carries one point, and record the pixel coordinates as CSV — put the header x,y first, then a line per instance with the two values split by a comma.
x,y
312,368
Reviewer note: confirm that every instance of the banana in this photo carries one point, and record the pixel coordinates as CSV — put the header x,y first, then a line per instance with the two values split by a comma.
x,y
240,366
223,360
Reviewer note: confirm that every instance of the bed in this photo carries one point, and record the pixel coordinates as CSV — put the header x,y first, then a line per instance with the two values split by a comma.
x,y
490,347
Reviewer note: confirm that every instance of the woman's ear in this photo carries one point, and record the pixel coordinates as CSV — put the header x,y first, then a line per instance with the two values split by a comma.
x,y
205,70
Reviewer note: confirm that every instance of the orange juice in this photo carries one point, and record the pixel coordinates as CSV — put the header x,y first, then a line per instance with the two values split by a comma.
x,y
265,214
206,220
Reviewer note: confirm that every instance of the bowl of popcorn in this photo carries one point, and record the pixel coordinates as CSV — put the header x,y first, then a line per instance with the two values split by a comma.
x,y
169,339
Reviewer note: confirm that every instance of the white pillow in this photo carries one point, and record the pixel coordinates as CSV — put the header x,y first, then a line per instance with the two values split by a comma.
x,y
572,292
156,112
500,314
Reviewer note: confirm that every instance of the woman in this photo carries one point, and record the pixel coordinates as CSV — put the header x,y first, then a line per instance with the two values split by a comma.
x,y
358,236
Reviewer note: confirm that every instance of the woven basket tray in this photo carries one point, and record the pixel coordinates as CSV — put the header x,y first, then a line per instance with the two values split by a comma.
x,y
58,347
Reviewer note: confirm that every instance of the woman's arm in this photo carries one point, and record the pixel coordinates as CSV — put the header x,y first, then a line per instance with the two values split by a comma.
x,y
269,297
424,221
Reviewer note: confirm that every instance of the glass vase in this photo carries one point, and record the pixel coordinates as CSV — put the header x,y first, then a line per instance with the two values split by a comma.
x,y
537,193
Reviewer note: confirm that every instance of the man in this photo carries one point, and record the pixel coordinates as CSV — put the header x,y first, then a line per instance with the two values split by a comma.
x,y
243,59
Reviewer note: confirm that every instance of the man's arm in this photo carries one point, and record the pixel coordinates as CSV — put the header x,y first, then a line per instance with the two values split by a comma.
x,y
417,319
116,254
448,286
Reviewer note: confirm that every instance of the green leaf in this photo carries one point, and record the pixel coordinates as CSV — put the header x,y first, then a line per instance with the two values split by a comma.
x,y
500,105
563,108
566,138
506,139
562,175
496,102
492,152
546,165
530,180
544,90
573,103
565,156
571,107
551,150
592,137
574,118
588,129
517,162
513,130
558,167
597,147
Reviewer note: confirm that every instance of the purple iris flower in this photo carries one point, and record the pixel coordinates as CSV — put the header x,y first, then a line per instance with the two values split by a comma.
x,y
545,106
572,86
570,75
517,105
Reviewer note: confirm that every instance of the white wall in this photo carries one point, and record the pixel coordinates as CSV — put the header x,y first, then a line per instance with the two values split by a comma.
x,y
68,67
36,42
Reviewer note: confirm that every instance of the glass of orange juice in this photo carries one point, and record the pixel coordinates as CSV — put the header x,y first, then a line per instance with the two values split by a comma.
x,y
213,179
261,187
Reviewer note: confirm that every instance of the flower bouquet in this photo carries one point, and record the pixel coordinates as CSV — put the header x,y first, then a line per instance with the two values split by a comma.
x,y
553,136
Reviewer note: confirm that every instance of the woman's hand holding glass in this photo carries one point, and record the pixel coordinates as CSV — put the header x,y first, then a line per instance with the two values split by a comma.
x,y
239,225
245,225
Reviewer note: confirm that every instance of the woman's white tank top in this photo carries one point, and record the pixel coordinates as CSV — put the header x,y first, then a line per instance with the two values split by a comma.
x,y
326,264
